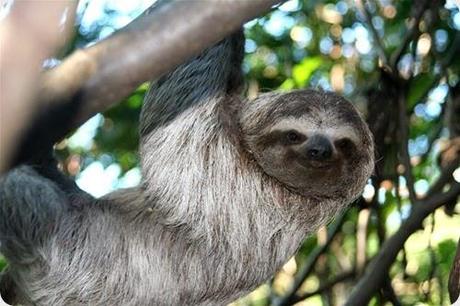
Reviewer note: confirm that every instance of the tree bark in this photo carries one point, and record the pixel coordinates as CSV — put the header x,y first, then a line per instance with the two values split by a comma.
x,y
454,278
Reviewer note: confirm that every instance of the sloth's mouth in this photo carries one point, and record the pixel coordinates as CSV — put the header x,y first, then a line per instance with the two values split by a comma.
x,y
320,164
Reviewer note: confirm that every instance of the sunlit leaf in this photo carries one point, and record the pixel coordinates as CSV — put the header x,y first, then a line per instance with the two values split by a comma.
x,y
287,85
302,72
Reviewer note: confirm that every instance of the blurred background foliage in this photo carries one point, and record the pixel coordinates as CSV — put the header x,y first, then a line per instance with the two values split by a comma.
x,y
338,46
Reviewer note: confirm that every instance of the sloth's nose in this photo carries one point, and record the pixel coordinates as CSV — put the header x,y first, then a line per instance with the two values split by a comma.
x,y
319,148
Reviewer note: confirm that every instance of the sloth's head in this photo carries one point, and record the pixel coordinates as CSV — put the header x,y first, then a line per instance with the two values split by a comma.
x,y
313,142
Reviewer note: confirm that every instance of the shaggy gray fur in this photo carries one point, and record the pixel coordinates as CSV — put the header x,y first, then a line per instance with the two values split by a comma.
x,y
222,205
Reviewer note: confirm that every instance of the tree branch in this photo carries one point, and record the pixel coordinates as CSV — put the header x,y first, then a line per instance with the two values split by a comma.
x,y
445,177
377,270
95,78
404,142
326,286
389,293
454,277
380,48
419,9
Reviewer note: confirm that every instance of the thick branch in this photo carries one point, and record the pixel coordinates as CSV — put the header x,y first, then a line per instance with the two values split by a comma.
x,y
454,278
95,78
148,47
377,270
389,293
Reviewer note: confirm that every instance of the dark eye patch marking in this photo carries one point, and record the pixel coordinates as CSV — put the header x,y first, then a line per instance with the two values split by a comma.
x,y
282,137
344,145
294,137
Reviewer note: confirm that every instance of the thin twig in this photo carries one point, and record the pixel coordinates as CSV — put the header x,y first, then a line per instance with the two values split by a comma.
x,y
445,177
419,9
404,142
326,286
445,61
433,135
452,53
380,48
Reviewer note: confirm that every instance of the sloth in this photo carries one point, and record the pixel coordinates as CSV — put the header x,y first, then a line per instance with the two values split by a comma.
x,y
230,188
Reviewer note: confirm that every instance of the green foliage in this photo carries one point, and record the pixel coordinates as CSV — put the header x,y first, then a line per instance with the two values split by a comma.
x,y
445,253
119,133
420,85
2,263
302,72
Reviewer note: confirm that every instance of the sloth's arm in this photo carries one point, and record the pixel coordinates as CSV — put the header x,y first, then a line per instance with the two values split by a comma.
x,y
215,72
30,208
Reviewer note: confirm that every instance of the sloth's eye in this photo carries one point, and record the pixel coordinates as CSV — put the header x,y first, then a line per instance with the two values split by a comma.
x,y
293,137
344,144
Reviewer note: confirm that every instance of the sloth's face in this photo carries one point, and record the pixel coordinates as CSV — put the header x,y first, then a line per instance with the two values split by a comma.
x,y
314,142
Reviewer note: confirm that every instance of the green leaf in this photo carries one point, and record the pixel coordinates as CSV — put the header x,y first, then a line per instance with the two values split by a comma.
x,y
445,254
302,72
288,84
419,86
2,263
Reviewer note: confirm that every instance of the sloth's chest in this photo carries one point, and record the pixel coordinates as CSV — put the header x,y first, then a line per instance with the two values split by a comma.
x,y
199,275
